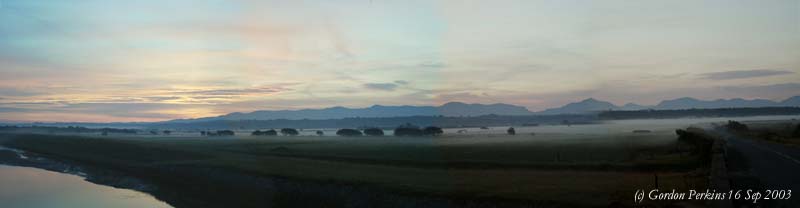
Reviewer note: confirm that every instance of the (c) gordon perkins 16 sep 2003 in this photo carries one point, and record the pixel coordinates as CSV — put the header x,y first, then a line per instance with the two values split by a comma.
x,y
711,194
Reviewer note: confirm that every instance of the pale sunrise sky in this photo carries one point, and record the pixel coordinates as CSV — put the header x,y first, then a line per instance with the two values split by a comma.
x,y
152,60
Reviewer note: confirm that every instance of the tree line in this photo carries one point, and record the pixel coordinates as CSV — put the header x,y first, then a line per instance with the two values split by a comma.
x,y
717,112
406,130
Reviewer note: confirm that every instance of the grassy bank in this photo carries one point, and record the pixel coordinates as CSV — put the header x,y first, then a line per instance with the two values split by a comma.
x,y
584,170
786,132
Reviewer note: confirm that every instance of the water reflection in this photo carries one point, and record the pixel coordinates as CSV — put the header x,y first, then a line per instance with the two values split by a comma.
x,y
22,187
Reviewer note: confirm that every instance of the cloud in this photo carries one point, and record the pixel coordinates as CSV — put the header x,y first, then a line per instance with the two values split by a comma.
x,y
17,92
726,75
161,98
381,86
432,64
775,90
239,91
98,112
12,109
462,97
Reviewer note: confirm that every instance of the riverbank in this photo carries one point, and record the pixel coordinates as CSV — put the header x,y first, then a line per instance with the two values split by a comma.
x,y
245,173
15,157
283,192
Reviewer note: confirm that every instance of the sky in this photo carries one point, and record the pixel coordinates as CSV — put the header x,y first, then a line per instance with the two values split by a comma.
x,y
153,60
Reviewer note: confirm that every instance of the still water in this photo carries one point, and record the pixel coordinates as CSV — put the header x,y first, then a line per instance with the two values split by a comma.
x,y
23,187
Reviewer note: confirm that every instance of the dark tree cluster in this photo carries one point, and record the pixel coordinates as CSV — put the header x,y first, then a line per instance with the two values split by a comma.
x,y
717,112
411,130
348,132
218,133
511,131
119,131
289,132
736,126
699,140
373,131
270,132
385,122
432,131
407,130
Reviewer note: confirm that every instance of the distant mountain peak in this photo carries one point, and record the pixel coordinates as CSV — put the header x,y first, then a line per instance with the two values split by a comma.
x,y
454,103
633,106
592,105
591,99
687,103
792,101
589,105
684,99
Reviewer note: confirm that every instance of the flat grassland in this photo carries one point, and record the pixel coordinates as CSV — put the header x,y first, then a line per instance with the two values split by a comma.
x,y
569,170
785,132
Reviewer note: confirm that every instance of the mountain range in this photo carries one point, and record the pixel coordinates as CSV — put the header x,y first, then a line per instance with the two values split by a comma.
x,y
592,105
455,109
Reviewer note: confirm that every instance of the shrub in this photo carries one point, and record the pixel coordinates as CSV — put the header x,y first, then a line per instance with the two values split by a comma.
x,y
736,126
407,131
373,132
511,131
226,133
320,133
432,131
257,133
289,132
348,132
270,132
700,141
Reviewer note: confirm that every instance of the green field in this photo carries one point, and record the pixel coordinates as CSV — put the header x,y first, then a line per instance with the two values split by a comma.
x,y
566,169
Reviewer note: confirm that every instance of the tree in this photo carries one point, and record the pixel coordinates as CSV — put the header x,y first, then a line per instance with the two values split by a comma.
x,y
407,130
432,131
373,132
511,131
320,133
225,133
698,139
289,132
270,132
736,126
348,132
167,132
